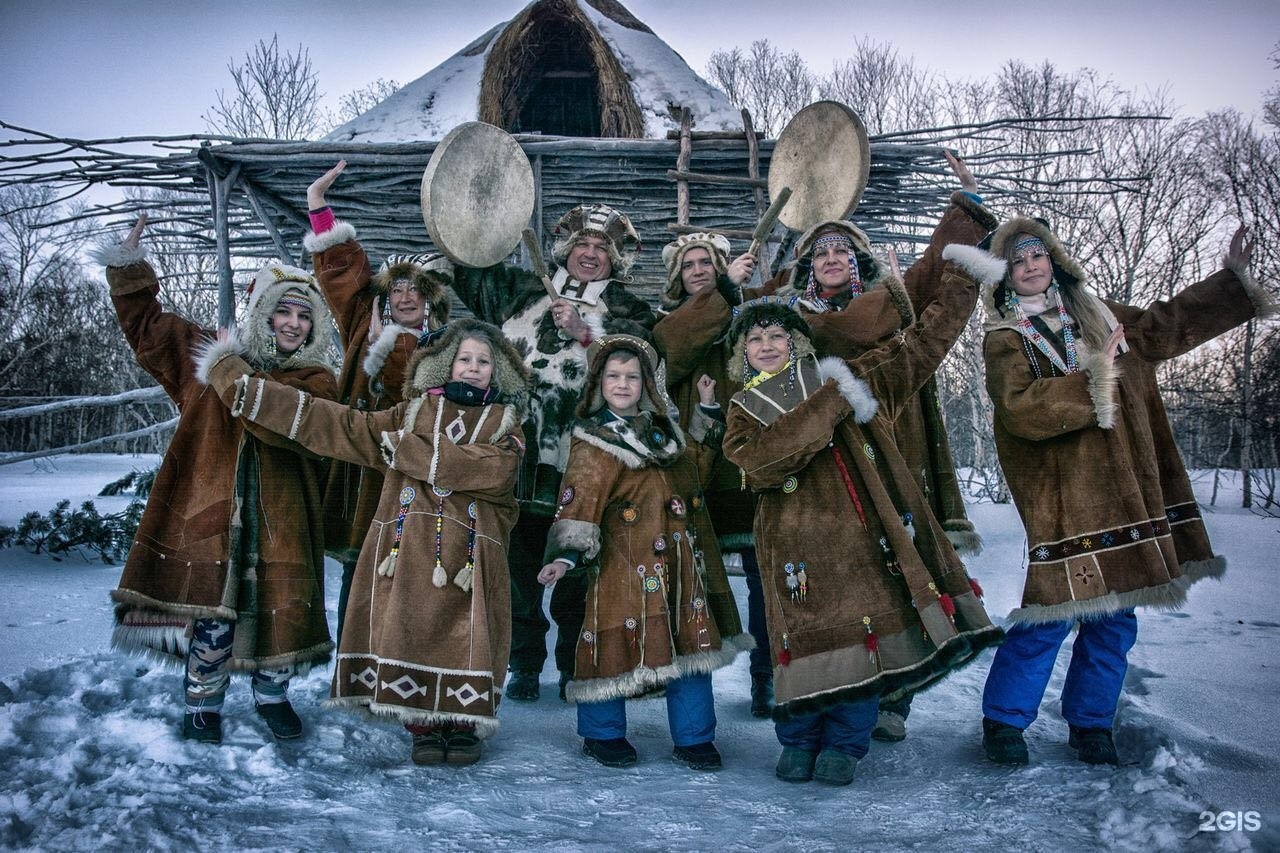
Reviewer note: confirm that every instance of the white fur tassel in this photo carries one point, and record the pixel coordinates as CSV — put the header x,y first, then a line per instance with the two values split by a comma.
x,y
439,577
387,567
462,580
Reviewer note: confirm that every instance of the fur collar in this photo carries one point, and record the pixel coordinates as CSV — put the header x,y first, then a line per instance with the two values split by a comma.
x,y
647,439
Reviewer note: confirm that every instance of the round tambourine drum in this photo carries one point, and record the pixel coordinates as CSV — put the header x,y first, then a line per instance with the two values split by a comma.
x,y
824,156
477,194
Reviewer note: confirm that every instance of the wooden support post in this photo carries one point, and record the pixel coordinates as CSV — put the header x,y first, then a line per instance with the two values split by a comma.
x,y
682,167
221,189
259,209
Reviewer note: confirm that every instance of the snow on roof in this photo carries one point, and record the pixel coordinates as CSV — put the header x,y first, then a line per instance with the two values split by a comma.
x,y
448,95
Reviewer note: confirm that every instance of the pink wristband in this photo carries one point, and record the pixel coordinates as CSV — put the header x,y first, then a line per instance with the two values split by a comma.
x,y
322,220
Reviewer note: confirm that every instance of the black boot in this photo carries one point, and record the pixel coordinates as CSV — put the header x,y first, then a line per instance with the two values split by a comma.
x,y
761,694
615,752
1093,746
565,678
202,727
523,686
700,756
282,720
1003,743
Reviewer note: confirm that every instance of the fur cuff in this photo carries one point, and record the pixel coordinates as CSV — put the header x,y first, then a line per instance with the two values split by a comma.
x,y
853,389
376,357
1263,303
1103,383
569,534
704,429
984,267
979,211
117,255
211,352
595,322
340,233
963,537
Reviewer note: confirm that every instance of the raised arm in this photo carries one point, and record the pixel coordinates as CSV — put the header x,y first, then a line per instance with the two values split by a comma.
x,y
965,222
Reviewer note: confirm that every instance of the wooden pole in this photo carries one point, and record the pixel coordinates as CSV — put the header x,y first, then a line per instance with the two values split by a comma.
x,y
682,167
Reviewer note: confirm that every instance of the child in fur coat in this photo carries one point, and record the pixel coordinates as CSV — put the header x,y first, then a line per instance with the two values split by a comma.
x,y
632,513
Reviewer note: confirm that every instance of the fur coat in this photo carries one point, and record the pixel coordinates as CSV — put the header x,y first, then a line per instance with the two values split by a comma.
x,y
1090,457
864,593
428,630
372,375
516,300
632,508
233,526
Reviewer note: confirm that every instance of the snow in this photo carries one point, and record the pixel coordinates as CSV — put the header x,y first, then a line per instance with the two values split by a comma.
x,y
449,94
92,757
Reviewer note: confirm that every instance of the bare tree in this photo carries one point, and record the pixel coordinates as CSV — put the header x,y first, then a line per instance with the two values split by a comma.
x,y
357,102
889,92
773,86
274,95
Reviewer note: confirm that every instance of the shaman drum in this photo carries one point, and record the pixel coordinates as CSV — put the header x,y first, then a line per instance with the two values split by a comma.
x,y
824,156
477,194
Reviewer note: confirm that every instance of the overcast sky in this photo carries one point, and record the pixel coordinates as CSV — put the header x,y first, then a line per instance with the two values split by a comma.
x,y
103,68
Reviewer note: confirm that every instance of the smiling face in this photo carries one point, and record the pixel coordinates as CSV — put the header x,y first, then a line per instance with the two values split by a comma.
x,y
1030,269
408,308
291,324
588,260
831,265
473,363
697,271
768,348
622,384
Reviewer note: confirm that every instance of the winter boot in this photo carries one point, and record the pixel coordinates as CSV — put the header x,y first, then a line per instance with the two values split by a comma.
x,y
202,727
565,678
891,727
795,764
429,747
523,686
700,756
463,747
761,694
834,767
1003,743
281,719
615,752
1093,746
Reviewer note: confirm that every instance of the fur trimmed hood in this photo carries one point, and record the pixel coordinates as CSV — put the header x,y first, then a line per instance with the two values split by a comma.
x,y
766,310
255,338
653,396
432,364
430,274
717,245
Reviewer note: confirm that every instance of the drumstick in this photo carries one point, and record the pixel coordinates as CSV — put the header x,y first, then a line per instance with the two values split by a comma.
x,y
767,221
535,260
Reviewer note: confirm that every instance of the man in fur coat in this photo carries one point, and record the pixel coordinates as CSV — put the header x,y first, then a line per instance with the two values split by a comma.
x,y
596,248
226,571
632,516
1091,461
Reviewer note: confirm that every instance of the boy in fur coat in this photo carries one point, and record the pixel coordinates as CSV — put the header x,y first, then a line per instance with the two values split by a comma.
x,y
1091,461
429,629
227,569
380,317
865,594
632,512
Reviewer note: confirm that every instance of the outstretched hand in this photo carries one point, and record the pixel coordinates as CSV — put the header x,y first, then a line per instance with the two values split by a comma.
x,y
315,192
706,390
135,233
1114,341
375,321
1240,251
894,269
967,182
741,268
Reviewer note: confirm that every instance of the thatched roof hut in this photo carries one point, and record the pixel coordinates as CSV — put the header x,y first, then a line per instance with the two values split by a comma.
x,y
580,68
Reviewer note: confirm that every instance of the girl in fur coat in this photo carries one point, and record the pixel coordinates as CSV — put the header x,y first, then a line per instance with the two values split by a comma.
x,y
865,594
428,626
632,512
226,571
1092,464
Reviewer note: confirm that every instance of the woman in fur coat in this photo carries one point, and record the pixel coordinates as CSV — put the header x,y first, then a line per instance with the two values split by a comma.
x,y
227,569
380,317
428,629
632,513
865,593
1091,462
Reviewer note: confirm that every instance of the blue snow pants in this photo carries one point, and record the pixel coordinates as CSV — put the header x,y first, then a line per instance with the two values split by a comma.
x,y
691,713
845,728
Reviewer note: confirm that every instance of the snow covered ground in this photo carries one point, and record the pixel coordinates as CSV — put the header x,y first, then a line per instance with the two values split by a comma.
x,y
91,755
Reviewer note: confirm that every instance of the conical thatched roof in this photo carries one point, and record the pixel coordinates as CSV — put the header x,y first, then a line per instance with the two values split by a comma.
x,y
561,68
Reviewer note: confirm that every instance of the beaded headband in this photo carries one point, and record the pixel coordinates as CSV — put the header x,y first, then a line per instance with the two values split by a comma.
x,y
296,296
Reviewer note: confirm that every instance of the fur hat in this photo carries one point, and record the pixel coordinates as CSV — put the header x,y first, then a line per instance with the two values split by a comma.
x,y
766,311
717,245
430,274
601,221
870,271
653,396
272,283
431,365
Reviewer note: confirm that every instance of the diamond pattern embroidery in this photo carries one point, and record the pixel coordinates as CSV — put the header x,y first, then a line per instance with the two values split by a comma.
x,y
456,429
466,694
366,676
404,687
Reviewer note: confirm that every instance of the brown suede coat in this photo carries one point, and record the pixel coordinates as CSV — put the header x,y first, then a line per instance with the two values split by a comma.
x,y
372,376
422,644
196,556
633,508
873,620
1090,457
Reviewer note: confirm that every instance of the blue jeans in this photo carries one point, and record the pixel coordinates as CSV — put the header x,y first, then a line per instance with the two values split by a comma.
x,y
691,713
845,728
1023,663
760,662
